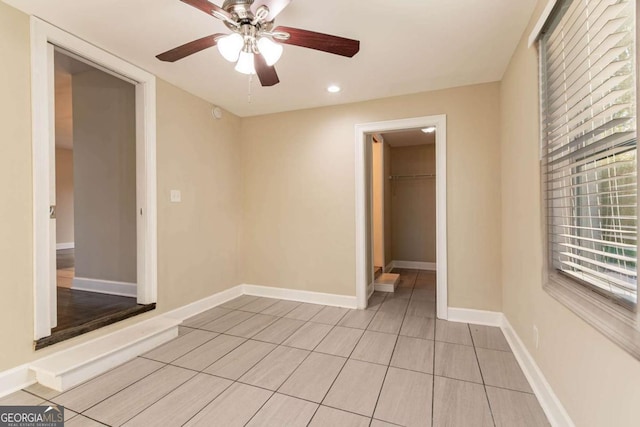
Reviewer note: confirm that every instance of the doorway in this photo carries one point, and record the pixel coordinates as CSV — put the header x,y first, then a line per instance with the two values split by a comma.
x,y
95,198
416,179
94,187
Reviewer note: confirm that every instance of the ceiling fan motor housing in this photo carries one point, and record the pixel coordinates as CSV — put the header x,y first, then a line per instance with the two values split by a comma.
x,y
241,8
242,14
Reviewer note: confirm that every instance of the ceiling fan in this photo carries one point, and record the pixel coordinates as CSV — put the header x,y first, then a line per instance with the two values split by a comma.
x,y
255,42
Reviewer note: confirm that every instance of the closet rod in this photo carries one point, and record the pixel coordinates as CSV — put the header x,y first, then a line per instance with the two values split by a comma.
x,y
430,175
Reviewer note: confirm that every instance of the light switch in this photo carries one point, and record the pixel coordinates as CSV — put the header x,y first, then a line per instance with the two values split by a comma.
x,y
176,196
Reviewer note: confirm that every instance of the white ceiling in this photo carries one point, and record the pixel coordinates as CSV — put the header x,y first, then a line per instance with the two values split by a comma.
x,y
408,138
407,46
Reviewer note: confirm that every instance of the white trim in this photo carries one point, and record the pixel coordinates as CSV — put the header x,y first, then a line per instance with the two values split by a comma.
x,y
477,317
389,267
551,405
16,379
415,265
66,368
553,408
70,367
61,246
361,131
205,304
84,361
43,33
383,284
41,180
301,296
384,288
537,29
105,287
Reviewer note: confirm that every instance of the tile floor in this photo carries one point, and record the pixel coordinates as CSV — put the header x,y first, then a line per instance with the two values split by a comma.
x,y
264,362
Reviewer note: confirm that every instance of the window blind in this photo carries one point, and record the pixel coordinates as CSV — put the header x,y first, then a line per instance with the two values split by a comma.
x,y
589,145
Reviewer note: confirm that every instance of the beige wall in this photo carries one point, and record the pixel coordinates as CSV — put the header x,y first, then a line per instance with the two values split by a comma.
x,y
413,204
596,381
198,250
299,179
197,239
16,234
104,153
64,196
378,204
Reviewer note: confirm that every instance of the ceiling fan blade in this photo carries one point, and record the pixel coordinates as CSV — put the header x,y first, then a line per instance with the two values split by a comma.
x,y
189,48
209,8
318,41
266,73
275,7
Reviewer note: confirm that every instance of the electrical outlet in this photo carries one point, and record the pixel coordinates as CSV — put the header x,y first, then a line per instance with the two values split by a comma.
x,y
176,196
536,336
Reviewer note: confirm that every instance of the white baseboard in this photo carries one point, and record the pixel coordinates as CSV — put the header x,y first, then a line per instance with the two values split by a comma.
x,y
477,317
16,379
190,310
302,296
553,408
108,287
67,368
74,365
414,265
60,246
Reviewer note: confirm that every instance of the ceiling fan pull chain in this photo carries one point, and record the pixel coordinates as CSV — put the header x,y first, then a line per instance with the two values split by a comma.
x,y
249,91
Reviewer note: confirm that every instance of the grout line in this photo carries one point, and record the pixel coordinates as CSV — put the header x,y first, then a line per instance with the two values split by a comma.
x,y
210,402
482,376
99,376
394,350
433,383
339,372
304,322
309,352
159,399
297,367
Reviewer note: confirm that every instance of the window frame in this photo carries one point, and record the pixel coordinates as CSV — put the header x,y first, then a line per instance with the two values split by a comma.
x,y
617,322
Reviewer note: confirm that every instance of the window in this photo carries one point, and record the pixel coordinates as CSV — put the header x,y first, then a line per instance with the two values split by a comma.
x,y
588,100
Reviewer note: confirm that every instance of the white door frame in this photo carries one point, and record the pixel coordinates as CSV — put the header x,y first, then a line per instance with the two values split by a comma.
x,y
440,123
42,34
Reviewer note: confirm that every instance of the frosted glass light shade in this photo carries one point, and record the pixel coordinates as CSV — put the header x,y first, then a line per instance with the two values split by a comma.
x,y
245,63
230,46
270,50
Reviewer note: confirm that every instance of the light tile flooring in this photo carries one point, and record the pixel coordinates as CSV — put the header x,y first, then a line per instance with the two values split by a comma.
x,y
264,362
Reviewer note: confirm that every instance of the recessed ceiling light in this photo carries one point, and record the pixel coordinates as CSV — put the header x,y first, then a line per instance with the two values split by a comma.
x,y
334,89
430,129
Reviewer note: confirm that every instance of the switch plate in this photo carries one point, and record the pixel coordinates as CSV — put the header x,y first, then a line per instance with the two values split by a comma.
x,y
176,196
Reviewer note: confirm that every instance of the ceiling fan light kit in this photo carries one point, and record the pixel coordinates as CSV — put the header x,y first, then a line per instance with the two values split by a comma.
x,y
255,45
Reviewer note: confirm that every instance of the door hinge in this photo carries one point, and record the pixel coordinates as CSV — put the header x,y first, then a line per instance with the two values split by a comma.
x,y
52,212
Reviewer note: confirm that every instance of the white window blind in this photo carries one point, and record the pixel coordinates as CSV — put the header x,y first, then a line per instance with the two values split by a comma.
x,y
588,99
